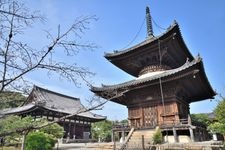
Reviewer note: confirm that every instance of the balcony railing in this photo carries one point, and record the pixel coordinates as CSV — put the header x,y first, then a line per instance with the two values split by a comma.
x,y
121,126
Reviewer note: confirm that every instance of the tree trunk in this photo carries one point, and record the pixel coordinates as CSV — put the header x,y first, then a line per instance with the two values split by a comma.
x,y
23,140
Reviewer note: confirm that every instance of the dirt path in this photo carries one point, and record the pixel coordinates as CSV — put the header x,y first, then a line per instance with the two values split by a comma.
x,y
86,146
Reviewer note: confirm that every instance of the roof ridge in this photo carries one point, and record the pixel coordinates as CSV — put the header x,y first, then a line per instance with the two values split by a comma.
x,y
148,40
54,92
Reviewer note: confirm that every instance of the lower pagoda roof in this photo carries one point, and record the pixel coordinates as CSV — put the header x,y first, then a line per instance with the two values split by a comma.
x,y
190,68
41,98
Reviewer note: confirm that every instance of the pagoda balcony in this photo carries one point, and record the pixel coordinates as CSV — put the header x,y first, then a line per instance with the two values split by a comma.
x,y
121,127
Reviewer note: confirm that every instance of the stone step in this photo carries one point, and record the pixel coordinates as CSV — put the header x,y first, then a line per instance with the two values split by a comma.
x,y
139,139
135,141
141,133
145,137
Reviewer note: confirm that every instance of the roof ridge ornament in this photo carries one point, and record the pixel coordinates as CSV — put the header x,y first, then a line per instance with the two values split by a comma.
x,y
149,23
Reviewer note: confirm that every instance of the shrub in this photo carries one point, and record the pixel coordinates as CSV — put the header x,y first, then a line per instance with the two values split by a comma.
x,y
39,141
157,137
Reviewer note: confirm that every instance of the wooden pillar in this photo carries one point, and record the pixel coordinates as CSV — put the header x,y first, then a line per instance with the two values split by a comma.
x,y
47,115
83,129
112,136
53,116
65,134
143,142
74,129
41,114
175,135
114,141
123,136
191,134
69,128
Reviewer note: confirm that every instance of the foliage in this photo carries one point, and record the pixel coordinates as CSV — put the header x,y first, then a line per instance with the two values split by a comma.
x,y
220,111
39,141
54,129
219,125
125,122
102,129
16,124
157,137
200,119
10,99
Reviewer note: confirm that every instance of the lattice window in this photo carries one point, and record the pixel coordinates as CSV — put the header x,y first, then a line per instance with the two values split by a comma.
x,y
150,116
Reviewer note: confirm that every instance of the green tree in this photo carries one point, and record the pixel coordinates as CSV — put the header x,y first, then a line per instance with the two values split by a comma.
x,y
39,141
218,126
157,137
54,129
125,121
200,119
16,126
10,99
102,130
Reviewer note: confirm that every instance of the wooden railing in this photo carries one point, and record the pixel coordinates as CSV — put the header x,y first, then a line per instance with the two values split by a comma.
x,y
121,127
184,121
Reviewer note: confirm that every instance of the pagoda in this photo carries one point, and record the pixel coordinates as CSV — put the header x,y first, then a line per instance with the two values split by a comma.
x,y
167,79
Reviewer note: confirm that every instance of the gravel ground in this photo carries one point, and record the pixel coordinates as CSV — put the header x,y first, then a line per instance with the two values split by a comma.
x,y
86,146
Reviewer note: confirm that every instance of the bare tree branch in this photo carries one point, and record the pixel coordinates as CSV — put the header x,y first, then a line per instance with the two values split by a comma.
x,y
17,59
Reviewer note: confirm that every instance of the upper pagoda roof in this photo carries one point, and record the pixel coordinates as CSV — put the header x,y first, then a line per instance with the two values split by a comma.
x,y
189,68
53,101
134,59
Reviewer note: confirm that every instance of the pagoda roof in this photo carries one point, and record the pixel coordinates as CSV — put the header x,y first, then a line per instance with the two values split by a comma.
x,y
53,101
189,68
179,52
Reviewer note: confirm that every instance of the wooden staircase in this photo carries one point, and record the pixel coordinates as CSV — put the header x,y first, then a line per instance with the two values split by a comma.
x,y
138,139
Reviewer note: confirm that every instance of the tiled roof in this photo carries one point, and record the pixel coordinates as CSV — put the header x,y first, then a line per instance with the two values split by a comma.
x,y
174,26
54,101
27,107
138,81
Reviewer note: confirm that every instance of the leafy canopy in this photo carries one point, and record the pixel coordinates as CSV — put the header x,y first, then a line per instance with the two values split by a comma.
x,y
39,141
102,130
219,125
16,124
200,119
10,99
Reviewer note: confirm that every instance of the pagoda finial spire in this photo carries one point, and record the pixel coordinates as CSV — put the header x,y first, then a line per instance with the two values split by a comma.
x,y
149,23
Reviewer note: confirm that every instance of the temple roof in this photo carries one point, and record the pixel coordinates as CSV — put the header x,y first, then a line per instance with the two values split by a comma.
x,y
138,81
53,101
171,43
189,68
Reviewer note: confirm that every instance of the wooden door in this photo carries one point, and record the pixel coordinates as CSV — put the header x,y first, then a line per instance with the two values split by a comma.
x,y
150,116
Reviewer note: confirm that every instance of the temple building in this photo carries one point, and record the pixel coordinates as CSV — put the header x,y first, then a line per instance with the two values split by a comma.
x,y
167,79
43,103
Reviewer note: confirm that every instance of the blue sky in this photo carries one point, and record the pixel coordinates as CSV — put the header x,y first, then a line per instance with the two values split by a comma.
x,y
202,25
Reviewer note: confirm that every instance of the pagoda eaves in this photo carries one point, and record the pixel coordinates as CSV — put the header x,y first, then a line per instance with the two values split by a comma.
x,y
174,53
191,73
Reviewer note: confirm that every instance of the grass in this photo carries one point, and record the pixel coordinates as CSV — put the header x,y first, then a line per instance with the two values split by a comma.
x,y
9,148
